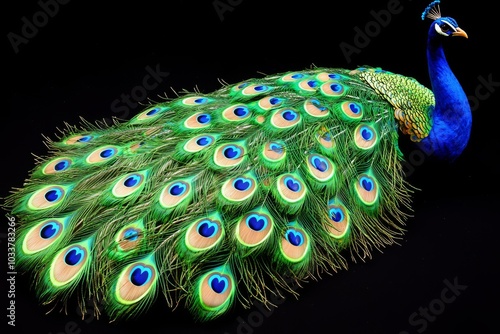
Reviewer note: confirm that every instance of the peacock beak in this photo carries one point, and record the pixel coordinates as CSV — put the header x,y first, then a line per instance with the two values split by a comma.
x,y
460,33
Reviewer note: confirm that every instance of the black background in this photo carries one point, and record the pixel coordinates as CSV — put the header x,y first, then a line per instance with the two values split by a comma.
x,y
91,52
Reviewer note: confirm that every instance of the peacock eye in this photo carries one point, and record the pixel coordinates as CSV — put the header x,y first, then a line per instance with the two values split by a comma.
x,y
445,27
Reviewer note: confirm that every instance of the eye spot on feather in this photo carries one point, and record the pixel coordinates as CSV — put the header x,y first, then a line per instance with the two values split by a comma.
x,y
276,148
270,102
292,184
84,139
242,184
294,237
219,284
294,243
204,233
129,237
285,118
320,167
128,184
319,164
149,114
203,118
152,112
273,153
69,263
365,136
236,113
106,153
57,165
74,256
177,189
102,154
289,115
204,141
352,110
131,181
339,219
49,230
216,289
367,189
252,90
324,138
43,235
231,152
238,189
229,155
256,222
140,275
291,77
131,234
207,229
254,228
198,121
199,143
174,193
135,281
47,197
239,87
314,108
291,188
336,88
53,194
366,184
308,85
195,101
332,89
62,165
324,76
78,139
336,215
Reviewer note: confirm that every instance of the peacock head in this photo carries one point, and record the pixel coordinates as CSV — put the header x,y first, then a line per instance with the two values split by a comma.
x,y
441,26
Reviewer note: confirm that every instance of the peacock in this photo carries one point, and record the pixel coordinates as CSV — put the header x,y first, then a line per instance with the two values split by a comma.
x,y
217,200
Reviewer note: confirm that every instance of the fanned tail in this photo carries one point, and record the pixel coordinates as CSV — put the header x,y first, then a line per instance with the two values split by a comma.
x,y
216,199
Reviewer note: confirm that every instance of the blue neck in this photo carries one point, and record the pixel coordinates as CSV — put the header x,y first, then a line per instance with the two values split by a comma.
x,y
451,116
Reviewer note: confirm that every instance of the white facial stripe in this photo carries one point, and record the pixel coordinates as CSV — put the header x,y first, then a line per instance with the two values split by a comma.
x,y
438,30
